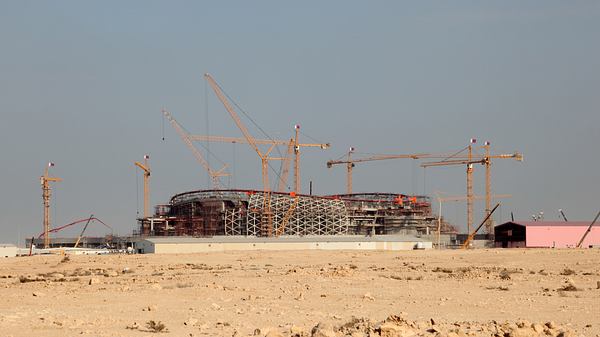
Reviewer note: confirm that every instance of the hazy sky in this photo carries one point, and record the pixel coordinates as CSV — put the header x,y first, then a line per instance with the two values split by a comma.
x,y
82,84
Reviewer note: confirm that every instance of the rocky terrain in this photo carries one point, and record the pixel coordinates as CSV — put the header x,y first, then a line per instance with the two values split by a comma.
x,y
505,293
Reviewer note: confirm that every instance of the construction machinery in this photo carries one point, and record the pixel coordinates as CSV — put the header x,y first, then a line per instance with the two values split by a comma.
x,y
83,231
472,235
589,229
476,159
458,198
264,155
45,181
214,174
562,214
350,162
293,148
146,168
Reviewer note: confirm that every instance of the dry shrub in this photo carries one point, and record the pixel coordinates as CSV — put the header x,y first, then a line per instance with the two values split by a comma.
x,y
185,285
505,274
568,272
156,326
568,287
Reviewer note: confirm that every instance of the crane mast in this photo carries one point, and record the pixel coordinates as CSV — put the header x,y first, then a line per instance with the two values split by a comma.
x,y
45,181
145,167
483,160
285,167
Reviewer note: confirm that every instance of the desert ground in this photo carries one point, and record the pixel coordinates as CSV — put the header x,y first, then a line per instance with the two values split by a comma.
x,y
511,292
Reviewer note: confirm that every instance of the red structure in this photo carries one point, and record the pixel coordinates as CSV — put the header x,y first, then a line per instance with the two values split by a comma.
x,y
545,234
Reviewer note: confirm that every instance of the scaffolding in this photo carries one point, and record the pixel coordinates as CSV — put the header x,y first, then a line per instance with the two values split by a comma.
x,y
206,213
303,215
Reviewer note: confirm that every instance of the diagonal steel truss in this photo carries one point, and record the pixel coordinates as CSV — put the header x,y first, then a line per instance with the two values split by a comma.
x,y
299,215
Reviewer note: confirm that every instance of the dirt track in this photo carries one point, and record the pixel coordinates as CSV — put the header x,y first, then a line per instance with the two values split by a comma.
x,y
289,293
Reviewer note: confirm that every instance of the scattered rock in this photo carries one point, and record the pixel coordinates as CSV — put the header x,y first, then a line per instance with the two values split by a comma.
x,y
369,297
93,281
133,326
323,330
38,294
30,278
538,328
150,308
274,333
569,286
297,331
389,329
190,322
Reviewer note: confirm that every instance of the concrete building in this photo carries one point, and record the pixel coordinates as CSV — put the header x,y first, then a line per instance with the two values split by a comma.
x,y
545,234
164,245
8,250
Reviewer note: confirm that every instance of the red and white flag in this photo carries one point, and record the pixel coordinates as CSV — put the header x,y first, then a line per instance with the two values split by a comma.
x,y
146,156
473,140
50,164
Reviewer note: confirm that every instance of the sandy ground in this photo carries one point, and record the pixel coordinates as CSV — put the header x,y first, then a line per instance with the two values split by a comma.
x,y
428,293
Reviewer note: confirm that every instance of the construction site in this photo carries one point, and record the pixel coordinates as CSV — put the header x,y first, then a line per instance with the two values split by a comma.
x,y
281,210
275,212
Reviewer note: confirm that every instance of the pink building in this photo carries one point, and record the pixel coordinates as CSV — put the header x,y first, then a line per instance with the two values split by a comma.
x,y
545,234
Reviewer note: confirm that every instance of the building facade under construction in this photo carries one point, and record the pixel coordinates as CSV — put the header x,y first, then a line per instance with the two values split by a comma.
x,y
206,213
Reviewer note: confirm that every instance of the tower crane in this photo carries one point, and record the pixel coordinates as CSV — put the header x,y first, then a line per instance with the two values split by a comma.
x,y
292,144
285,167
264,155
214,175
458,198
350,162
267,225
267,220
146,168
45,181
471,159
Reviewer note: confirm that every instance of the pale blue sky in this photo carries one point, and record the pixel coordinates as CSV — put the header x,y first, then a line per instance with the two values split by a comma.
x,y
82,84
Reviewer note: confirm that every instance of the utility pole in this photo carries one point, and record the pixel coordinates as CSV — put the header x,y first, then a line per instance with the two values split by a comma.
x,y
45,181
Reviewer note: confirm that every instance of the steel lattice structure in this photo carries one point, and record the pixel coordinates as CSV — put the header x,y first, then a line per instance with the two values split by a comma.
x,y
299,215
242,213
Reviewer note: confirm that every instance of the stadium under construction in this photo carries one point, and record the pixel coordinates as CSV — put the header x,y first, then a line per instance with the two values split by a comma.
x,y
206,213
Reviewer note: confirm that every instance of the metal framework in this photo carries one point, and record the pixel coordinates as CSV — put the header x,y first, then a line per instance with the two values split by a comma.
x,y
241,212
297,215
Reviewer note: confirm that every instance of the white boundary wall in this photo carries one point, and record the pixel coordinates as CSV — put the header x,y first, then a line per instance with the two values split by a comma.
x,y
7,250
173,247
